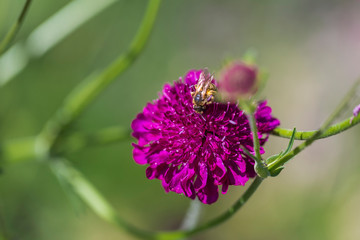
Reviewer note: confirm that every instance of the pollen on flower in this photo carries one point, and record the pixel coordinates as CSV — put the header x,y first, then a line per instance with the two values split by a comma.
x,y
194,154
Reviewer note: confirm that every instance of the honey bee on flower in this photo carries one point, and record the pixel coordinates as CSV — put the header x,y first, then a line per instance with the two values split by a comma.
x,y
204,93
192,155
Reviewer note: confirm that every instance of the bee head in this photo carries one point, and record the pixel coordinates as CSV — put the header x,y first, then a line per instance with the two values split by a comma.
x,y
197,98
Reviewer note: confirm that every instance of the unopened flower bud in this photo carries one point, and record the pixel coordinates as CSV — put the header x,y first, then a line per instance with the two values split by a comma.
x,y
238,80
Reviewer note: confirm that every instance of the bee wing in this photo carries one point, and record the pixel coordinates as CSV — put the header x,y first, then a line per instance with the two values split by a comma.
x,y
207,77
204,77
206,73
201,78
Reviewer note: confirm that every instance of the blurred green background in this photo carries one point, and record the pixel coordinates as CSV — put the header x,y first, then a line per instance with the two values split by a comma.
x,y
310,48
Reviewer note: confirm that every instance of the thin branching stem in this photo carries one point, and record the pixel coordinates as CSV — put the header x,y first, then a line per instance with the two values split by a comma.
x,y
231,211
192,215
4,44
22,149
48,34
332,130
91,196
255,136
260,167
324,127
90,88
96,202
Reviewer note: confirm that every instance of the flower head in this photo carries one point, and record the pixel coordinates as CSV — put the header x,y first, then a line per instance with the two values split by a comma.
x,y
191,153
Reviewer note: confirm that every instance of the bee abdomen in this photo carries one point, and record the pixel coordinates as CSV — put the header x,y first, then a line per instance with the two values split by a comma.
x,y
199,109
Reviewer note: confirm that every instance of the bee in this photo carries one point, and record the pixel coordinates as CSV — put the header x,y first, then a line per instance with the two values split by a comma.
x,y
204,93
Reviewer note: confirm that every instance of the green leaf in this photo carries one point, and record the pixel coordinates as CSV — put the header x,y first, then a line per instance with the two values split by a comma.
x,y
276,171
272,158
275,157
291,142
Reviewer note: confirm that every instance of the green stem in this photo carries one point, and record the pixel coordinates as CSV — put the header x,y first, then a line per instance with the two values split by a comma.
x,y
22,149
324,127
260,167
17,150
77,141
48,34
93,198
14,28
254,131
91,87
332,130
192,215
248,153
231,211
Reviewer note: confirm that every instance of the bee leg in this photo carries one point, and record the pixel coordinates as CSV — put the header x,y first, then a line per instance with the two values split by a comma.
x,y
193,87
212,87
212,92
210,99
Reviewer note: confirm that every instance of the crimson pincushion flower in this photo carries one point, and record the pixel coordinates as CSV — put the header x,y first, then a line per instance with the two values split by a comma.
x,y
191,153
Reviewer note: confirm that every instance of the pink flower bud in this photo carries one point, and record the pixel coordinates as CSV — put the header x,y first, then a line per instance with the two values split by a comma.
x,y
238,80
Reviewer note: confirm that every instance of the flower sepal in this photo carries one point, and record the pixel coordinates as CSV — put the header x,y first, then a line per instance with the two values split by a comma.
x,y
274,158
261,170
250,57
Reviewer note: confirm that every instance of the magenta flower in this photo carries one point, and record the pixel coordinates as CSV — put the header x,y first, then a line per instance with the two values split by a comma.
x,y
356,110
193,154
